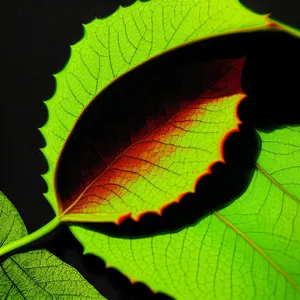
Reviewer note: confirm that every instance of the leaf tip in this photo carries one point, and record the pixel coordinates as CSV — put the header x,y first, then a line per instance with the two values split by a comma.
x,y
277,25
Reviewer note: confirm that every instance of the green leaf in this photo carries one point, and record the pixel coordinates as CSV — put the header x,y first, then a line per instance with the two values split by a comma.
x,y
248,250
36,274
117,44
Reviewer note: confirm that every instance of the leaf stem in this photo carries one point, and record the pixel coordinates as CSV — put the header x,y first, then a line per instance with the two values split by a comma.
x,y
27,239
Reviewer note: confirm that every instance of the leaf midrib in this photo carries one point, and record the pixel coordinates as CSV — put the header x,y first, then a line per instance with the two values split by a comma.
x,y
282,188
259,250
252,243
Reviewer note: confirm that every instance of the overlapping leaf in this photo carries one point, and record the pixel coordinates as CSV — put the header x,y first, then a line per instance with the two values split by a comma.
x,y
124,40
164,165
36,274
248,250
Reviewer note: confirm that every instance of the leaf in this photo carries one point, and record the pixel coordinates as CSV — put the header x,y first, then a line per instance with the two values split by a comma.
x,y
36,274
248,250
116,45
121,42
163,165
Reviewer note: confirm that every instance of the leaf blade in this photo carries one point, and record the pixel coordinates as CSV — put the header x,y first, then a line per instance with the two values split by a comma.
x,y
13,227
165,165
92,69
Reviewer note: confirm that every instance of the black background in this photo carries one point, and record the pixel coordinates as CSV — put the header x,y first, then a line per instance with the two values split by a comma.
x,y
35,39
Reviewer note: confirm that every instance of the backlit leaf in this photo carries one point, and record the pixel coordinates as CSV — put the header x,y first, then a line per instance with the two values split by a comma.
x,y
124,40
248,250
36,274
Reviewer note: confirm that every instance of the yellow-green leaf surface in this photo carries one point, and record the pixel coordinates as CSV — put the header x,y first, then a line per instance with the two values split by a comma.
x,y
36,274
248,250
122,41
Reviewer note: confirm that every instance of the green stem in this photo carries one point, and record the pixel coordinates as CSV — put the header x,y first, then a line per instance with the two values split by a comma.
x,y
27,239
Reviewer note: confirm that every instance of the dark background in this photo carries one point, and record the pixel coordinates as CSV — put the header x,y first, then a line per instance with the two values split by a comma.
x,y
35,39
